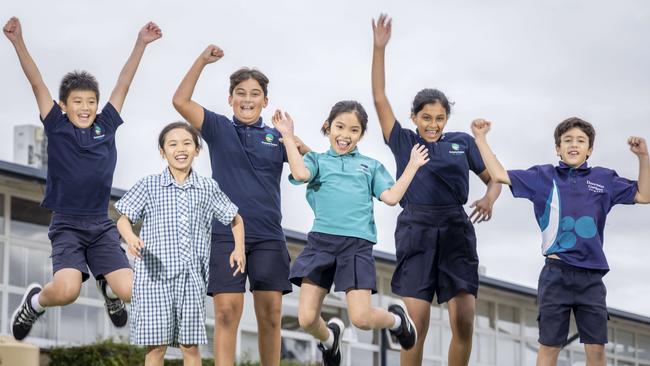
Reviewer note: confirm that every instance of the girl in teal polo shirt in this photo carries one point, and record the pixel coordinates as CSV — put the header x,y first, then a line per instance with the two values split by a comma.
x,y
340,186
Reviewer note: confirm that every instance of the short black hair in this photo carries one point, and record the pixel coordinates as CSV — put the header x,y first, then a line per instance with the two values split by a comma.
x,y
430,96
77,80
246,73
182,125
346,106
575,122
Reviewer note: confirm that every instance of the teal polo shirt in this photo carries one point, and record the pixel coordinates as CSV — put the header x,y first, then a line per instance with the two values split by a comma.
x,y
340,192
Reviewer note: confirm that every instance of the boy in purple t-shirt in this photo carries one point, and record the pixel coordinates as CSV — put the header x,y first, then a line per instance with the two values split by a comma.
x,y
571,202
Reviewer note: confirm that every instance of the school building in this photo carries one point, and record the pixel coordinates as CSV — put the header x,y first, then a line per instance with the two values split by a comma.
x,y
505,327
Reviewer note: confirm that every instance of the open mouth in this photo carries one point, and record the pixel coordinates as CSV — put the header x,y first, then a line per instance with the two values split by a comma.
x,y
431,132
181,158
574,153
342,144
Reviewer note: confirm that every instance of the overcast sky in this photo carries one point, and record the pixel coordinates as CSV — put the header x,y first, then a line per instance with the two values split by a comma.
x,y
526,65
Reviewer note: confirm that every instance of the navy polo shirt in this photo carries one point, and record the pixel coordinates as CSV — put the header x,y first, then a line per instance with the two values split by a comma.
x,y
81,162
444,180
247,163
571,206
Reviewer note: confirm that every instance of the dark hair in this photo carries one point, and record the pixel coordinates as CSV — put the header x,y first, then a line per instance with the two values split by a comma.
x,y
430,96
575,122
345,106
246,73
77,80
182,125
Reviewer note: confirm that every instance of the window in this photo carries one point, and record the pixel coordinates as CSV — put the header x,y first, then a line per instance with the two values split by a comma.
x,y
249,350
485,315
29,220
295,350
624,343
509,352
509,319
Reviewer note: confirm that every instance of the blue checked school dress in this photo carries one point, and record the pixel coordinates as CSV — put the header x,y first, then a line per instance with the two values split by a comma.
x,y
167,306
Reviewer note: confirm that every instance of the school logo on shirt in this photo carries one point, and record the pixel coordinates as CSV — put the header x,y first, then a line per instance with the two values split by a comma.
x,y
595,187
455,149
268,140
99,133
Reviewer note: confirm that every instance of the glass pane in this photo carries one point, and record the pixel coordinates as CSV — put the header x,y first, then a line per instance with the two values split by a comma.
x,y
530,353
363,336
432,341
362,357
624,343
484,348
485,314
290,318
509,318
94,325
17,266
530,324
436,312
249,350
643,343
2,214
392,357
579,359
72,323
29,220
609,347
38,267
2,262
624,363
509,352
296,350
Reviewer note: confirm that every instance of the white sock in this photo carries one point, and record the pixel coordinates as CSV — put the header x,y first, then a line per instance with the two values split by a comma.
x,y
329,343
37,305
110,293
398,322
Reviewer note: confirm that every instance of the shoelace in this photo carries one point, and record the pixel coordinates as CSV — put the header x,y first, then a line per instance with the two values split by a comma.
x,y
27,315
114,305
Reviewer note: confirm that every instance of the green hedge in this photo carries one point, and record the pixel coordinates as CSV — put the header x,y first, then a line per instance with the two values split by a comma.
x,y
112,353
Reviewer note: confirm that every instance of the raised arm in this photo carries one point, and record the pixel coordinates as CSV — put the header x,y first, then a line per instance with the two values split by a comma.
x,y
149,33
188,108
419,157
14,33
381,32
639,147
134,243
480,128
284,124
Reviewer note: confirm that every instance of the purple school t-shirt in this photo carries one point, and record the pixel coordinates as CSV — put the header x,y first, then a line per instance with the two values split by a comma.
x,y
571,206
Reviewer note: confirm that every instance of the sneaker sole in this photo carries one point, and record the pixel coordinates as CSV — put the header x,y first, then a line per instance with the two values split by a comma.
x,y
341,326
20,305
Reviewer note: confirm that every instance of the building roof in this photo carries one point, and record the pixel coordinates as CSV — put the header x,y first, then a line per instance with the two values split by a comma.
x,y
28,173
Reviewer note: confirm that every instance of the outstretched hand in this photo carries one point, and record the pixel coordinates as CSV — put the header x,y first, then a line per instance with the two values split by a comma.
x,y
480,127
419,155
283,123
12,30
382,30
149,33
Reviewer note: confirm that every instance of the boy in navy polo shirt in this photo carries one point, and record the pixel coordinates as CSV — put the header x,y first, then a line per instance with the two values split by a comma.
x,y
82,157
247,159
571,202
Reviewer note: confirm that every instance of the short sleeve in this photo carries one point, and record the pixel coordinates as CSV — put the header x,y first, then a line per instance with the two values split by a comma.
x,y
212,125
399,137
623,190
523,183
53,119
381,180
110,117
311,163
134,202
474,156
224,210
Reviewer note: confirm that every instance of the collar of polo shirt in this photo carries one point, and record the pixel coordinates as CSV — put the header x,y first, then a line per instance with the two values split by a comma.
x,y
354,152
238,123
563,165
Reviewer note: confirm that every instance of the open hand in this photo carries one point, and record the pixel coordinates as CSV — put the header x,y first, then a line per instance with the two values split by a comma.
x,y
283,123
482,210
419,155
382,30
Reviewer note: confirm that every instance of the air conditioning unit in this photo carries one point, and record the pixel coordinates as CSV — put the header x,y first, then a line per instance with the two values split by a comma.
x,y
30,146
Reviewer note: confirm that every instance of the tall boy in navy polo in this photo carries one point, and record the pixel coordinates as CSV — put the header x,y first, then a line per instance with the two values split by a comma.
x,y
82,157
571,202
247,159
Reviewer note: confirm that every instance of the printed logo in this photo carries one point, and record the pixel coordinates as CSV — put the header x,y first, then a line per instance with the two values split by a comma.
x,y
269,137
99,133
268,140
364,169
595,187
455,146
455,149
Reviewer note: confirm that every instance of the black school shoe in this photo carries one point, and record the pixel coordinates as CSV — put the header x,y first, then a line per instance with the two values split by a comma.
x,y
25,316
406,334
115,308
332,357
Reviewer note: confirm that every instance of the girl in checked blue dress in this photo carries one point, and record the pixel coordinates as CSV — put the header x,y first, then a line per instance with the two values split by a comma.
x,y
173,251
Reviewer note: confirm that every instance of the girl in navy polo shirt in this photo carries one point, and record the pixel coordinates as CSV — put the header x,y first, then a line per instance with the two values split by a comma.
x,y
173,250
434,235
341,185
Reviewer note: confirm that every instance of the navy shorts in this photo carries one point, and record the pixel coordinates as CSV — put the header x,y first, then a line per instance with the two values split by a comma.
x,y
267,266
436,253
342,260
83,242
562,288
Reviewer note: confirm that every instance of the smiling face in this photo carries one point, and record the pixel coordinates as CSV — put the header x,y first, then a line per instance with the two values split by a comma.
x,y
574,147
247,101
81,107
179,149
345,132
430,121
